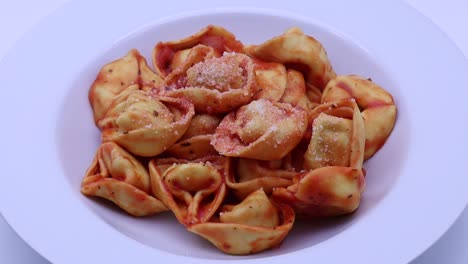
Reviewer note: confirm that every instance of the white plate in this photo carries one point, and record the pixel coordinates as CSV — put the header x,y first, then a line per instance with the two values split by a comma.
x,y
416,184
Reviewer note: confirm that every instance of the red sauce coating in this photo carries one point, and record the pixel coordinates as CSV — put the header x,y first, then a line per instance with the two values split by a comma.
x,y
263,65
299,67
164,56
345,87
216,42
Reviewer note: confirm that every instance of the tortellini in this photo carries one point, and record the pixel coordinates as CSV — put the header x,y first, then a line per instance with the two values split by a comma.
x,y
146,125
252,226
215,85
117,176
296,91
130,72
326,191
297,50
334,179
271,80
168,55
337,137
255,174
235,140
193,190
261,130
196,142
378,107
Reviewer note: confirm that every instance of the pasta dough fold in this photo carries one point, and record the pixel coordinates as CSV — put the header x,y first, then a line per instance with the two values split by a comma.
x,y
377,105
297,50
214,85
117,176
326,191
338,136
252,175
168,55
252,226
261,130
130,72
193,190
146,125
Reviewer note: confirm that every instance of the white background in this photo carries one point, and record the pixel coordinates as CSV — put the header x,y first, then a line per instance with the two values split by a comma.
x,y
18,16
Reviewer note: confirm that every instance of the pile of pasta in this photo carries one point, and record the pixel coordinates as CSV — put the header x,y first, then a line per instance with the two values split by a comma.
x,y
236,140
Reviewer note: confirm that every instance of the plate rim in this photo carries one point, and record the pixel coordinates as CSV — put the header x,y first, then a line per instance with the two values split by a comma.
x,y
68,5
